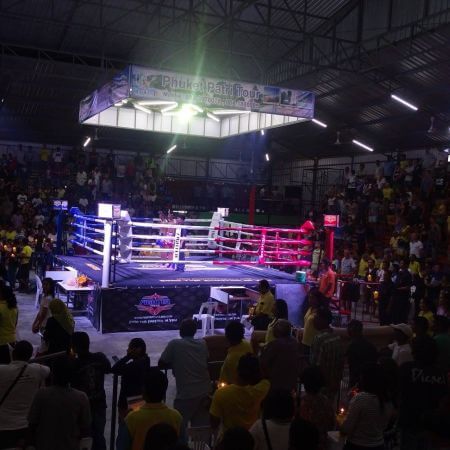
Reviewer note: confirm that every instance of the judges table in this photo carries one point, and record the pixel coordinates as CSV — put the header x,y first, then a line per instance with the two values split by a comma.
x,y
228,294
75,295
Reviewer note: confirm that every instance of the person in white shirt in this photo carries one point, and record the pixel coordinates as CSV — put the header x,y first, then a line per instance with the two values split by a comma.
x,y
19,381
415,246
272,430
401,348
48,294
348,264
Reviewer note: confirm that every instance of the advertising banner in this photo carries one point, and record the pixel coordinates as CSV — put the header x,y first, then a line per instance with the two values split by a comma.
x,y
106,96
153,84
151,309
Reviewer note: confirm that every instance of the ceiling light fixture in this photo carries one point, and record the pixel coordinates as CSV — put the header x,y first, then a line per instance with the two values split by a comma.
x,y
141,108
362,145
404,102
192,106
171,149
213,117
86,142
119,104
318,122
169,108
267,157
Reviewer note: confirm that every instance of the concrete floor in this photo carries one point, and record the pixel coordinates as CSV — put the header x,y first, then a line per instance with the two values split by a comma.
x,y
110,344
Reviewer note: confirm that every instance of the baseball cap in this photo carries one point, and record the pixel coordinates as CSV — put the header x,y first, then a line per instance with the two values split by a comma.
x,y
404,328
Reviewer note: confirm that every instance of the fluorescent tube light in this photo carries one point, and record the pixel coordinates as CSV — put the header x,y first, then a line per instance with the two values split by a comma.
x,y
366,147
404,102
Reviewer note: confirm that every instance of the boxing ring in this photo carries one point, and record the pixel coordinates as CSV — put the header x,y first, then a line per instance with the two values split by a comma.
x,y
152,273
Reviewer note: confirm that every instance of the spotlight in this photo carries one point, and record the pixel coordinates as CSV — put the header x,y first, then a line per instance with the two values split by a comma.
x,y
360,144
267,157
213,117
262,133
86,142
171,149
404,102
318,122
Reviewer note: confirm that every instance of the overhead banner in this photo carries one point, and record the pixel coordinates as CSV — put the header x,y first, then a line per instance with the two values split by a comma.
x,y
153,84
106,96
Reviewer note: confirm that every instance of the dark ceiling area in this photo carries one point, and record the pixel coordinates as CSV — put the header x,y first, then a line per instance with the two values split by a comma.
x,y
353,54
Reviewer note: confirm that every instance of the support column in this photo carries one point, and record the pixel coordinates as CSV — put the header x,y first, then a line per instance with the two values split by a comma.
x,y
106,253
314,183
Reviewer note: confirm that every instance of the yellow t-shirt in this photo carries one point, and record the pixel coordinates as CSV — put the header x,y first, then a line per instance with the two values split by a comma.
x,y
309,331
266,304
388,192
27,251
414,267
140,421
8,322
430,318
239,406
362,268
228,372
10,235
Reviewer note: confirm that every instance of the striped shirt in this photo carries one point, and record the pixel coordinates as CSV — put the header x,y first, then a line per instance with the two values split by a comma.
x,y
366,420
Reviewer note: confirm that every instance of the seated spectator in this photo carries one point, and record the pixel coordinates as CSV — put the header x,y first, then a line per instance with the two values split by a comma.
x,y
280,359
272,431
327,353
238,405
315,407
309,331
369,412
237,438
89,371
132,369
281,312
303,435
401,349
161,436
234,332
422,387
133,431
426,311
188,359
442,339
19,382
359,352
59,327
443,308
59,416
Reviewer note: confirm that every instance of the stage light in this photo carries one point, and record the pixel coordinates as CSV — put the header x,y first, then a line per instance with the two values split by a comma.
x,y
171,149
213,117
262,132
223,112
404,102
267,157
169,108
86,142
360,144
318,122
141,108
156,102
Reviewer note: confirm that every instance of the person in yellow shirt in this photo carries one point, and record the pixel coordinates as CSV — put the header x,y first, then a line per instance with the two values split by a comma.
x,y
281,312
239,405
363,265
234,332
309,330
426,312
10,234
264,309
8,321
133,430
414,265
388,192
23,274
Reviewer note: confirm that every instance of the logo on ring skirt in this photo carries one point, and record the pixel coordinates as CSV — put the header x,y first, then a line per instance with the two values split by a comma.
x,y
155,304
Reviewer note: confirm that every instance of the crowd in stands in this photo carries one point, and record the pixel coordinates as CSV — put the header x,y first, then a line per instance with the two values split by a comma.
x,y
283,394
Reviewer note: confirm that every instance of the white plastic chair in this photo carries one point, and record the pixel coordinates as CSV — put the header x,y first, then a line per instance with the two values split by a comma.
x,y
39,291
207,315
